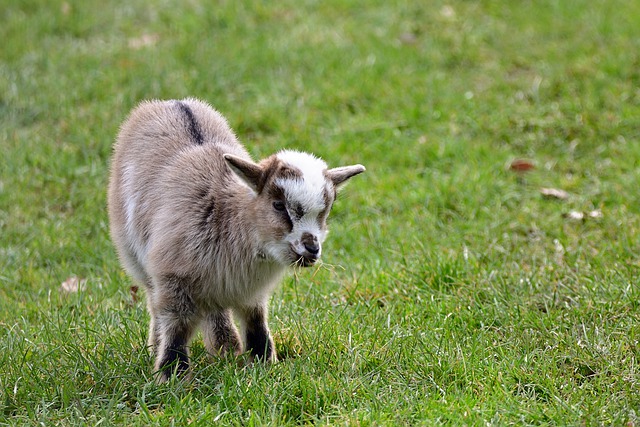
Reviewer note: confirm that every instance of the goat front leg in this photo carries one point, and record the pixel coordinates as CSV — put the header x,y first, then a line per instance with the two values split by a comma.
x,y
257,337
220,334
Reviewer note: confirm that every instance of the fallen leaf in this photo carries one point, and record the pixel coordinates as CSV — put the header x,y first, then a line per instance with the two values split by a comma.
x,y
73,284
521,165
554,193
133,290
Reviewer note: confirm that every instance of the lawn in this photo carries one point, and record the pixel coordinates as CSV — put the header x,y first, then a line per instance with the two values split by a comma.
x,y
452,291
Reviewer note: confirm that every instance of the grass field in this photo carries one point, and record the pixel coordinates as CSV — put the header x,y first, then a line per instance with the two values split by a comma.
x,y
453,291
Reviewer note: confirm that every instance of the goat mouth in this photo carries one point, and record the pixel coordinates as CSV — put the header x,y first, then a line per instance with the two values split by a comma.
x,y
304,260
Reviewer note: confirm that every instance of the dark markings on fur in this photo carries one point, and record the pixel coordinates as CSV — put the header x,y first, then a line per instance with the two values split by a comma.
x,y
289,172
287,219
277,193
328,203
269,166
208,211
326,196
259,342
195,132
274,169
298,211
176,319
175,356
202,192
215,226
222,222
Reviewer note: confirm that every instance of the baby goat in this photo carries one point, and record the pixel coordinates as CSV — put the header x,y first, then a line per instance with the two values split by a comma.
x,y
208,231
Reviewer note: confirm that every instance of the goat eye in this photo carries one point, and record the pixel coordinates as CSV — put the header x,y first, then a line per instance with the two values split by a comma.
x,y
279,206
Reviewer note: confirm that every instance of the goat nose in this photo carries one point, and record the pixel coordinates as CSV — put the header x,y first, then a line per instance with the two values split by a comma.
x,y
310,243
312,247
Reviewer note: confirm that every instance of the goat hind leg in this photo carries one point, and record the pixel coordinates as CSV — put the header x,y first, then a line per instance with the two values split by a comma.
x,y
173,336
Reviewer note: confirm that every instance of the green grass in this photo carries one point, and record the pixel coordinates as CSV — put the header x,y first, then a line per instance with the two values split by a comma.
x,y
453,292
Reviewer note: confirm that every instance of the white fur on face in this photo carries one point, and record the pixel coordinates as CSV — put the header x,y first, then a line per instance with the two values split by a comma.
x,y
309,191
306,197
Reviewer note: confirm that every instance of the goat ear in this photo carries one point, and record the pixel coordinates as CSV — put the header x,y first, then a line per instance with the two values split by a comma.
x,y
339,175
246,170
